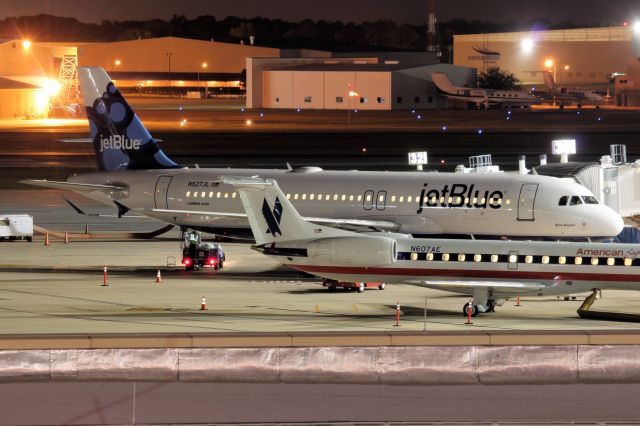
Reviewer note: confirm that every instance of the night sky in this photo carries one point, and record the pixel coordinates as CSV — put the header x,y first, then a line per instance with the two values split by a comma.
x,y
409,11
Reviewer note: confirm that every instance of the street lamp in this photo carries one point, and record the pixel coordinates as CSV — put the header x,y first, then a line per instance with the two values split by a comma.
x,y
169,55
351,94
203,66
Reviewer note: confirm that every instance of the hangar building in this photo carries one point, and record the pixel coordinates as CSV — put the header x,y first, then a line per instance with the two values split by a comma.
x,y
35,76
348,83
577,57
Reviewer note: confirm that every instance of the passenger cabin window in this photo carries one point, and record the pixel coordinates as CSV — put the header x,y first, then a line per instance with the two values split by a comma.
x,y
563,201
575,200
589,199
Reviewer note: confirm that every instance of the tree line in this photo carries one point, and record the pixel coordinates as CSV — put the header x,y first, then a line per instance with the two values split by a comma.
x,y
310,34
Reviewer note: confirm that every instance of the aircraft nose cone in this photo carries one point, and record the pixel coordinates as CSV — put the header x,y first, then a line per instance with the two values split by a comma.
x,y
613,223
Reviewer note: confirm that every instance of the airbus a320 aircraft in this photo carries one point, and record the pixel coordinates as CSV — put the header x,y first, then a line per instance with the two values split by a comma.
x,y
136,175
489,271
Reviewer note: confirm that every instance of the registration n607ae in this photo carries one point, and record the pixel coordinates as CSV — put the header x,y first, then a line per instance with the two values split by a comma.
x,y
426,249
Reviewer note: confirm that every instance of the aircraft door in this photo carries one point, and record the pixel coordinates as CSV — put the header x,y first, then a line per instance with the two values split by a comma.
x,y
162,192
367,202
527,201
381,200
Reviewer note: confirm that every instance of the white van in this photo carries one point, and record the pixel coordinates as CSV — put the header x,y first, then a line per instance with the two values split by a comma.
x,y
16,227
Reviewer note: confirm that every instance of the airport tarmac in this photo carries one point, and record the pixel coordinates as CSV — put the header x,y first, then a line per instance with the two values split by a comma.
x,y
58,289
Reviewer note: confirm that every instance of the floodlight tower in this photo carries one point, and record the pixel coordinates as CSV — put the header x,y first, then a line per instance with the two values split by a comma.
x,y
432,35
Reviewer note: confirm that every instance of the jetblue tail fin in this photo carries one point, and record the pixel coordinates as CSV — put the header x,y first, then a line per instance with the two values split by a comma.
x,y
272,217
120,140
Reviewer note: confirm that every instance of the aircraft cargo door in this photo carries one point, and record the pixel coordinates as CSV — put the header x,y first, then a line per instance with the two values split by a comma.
x,y
162,192
527,201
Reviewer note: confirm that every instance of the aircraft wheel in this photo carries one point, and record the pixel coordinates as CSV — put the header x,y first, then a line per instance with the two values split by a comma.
x,y
465,312
360,287
332,288
382,286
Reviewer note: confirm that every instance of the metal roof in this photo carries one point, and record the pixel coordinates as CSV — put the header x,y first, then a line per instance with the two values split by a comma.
x,y
6,83
350,67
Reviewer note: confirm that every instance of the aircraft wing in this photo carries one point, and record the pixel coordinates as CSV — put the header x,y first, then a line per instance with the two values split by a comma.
x,y
81,187
501,286
475,100
353,224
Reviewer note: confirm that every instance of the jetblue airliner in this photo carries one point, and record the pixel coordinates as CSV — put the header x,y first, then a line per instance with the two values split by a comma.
x,y
136,175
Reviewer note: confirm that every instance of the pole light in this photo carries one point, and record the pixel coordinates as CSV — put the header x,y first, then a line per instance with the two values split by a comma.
x,y
169,55
26,44
352,94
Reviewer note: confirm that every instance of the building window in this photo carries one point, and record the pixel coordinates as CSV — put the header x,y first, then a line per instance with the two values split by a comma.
x,y
430,99
534,73
339,99
277,100
399,99
363,100
307,99
578,74
416,99
380,99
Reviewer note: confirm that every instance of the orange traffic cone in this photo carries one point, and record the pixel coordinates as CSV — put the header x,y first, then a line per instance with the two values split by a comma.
x,y
66,237
518,301
158,277
46,239
203,305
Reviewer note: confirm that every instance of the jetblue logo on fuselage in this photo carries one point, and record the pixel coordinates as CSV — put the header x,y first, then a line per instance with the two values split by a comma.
x,y
119,142
459,195
272,217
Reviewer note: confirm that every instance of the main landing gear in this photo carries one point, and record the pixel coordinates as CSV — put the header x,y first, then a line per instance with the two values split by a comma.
x,y
481,302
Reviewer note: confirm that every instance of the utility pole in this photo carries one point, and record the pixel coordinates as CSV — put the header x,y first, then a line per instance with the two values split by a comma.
x,y
169,55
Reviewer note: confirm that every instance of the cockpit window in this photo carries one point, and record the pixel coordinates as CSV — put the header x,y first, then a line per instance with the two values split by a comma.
x,y
589,199
563,201
575,200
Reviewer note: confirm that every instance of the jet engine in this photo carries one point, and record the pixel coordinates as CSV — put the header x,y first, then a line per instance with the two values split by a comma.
x,y
356,251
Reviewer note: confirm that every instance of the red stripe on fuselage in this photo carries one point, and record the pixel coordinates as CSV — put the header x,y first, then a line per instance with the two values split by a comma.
x,y
468,273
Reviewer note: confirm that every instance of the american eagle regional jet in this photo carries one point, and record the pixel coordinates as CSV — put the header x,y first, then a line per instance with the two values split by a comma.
x,y
490,271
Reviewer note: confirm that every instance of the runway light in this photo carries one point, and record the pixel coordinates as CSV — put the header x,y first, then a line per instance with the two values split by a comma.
x,y
413,111
419,117
262,114
364,149
444,128
441,161
355,110
248,122
241,109
526,45
479,131
599,118
298,110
